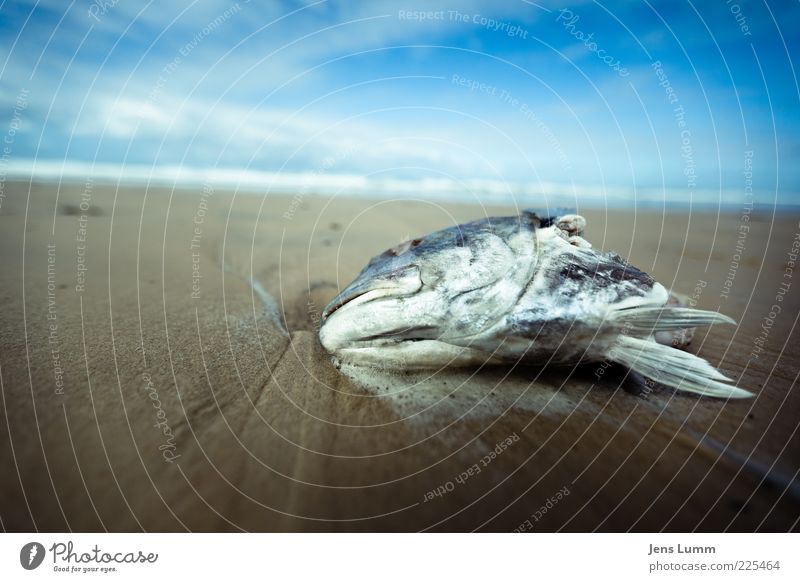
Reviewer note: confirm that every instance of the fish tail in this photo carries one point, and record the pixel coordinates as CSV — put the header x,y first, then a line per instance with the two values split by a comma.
x,y
652,319
672,367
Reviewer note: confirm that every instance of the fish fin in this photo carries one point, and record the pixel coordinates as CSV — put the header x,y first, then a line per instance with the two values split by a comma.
x,y
672,367
652,319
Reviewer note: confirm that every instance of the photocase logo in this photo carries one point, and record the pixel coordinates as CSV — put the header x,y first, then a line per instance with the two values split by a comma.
x,y
31,555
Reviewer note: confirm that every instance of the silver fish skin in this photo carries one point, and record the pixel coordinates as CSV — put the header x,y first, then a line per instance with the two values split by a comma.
x,y
518,288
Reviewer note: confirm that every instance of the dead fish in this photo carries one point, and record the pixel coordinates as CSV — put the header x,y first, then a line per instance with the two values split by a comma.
x,y
524,288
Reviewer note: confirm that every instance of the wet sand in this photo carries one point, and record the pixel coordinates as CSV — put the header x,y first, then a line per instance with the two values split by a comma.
x,y
161,371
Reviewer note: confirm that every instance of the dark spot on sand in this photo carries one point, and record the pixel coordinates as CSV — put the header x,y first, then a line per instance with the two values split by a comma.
x,y
326,243
74,210
321,284
69,210
335,226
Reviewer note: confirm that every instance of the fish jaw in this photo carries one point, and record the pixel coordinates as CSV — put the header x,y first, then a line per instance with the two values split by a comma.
x,y
361,310
416,355
370,285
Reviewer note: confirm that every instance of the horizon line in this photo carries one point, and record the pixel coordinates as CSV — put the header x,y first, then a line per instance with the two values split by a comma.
x,y
481,190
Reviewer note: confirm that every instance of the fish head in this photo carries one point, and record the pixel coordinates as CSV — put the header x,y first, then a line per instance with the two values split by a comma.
x,y
434,290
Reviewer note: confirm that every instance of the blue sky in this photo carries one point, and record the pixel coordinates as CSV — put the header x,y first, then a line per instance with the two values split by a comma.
x,y
544,96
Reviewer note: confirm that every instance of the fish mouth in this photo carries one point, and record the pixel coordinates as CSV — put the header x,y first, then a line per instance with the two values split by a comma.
x,y
397,283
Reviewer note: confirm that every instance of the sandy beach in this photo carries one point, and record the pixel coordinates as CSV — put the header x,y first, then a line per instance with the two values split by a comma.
x,y
161,371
